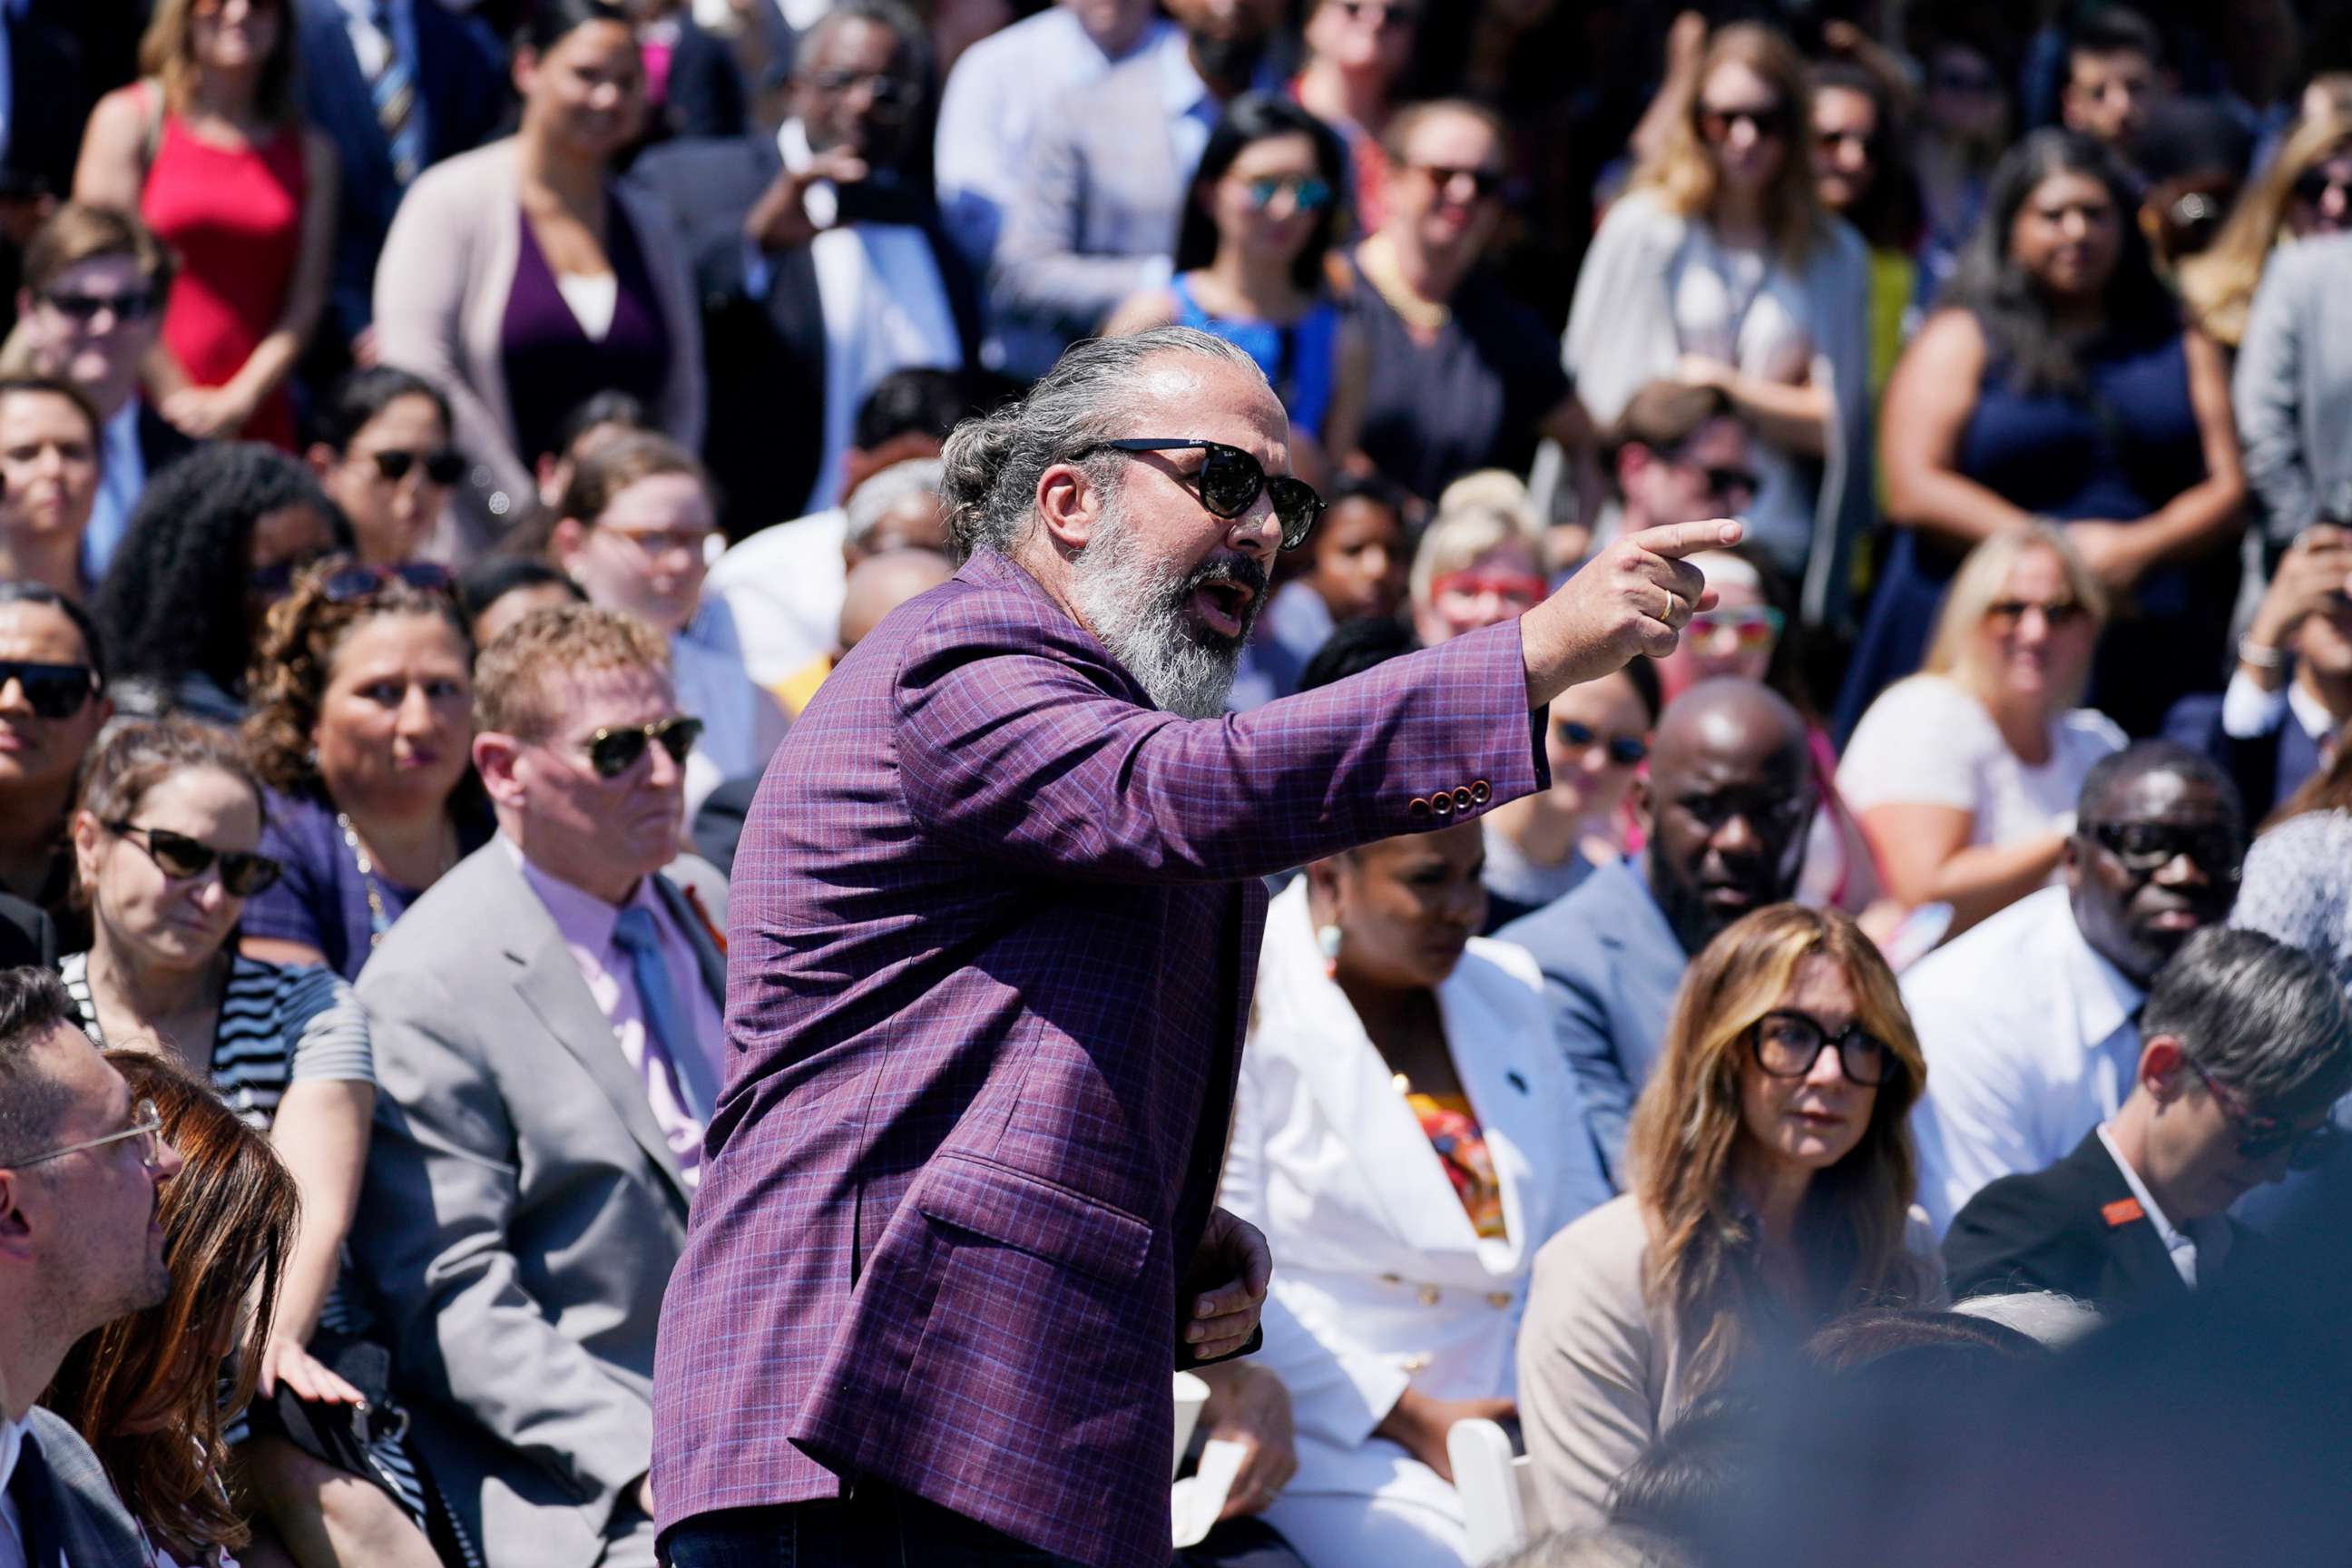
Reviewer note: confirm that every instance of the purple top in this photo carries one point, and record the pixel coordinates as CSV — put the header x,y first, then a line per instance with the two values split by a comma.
x,y
322,899
552,366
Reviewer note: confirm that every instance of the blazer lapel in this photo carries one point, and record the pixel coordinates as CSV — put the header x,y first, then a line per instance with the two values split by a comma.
x,y
1502,1084
708,958
2138,1267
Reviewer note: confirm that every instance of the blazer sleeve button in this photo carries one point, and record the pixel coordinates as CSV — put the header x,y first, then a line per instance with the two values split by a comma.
x,y
1440,804
1499,1299
1419,809
1431,1295
1462,799
1481,792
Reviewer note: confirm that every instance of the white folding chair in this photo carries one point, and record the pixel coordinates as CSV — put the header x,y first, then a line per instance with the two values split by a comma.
x,y
1498,1490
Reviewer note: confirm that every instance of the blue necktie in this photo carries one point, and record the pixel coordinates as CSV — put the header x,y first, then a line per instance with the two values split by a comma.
x,y
637,935
36,1507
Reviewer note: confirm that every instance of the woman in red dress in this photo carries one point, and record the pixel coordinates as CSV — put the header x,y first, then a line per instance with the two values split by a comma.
x,y
209,149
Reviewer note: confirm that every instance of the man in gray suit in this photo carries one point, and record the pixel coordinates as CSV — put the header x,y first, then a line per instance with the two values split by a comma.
x,y
1725,813
1097,219
547,1036
80,1170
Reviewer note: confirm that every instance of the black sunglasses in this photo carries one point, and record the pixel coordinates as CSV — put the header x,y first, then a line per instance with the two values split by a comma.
x,y
615,751
1625,751
2261,1137
179,856
1787,1043
1230,480
134,306
444,466
360,581
2004,615
1485,184
2146,847
1770,123
51,690
1737,486
2314,183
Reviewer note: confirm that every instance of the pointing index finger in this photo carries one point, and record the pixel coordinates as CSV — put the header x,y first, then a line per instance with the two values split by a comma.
x,y
1675,540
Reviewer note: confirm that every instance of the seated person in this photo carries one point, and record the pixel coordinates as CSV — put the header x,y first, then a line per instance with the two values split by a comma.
x,y
895,512
2290,700
1541,848
1964,774
2031,1018
2298,879
547,1039
382,449
1396,1137
1772,1192
53,701
2248,1046
1354,569
1480,561
496,592
50,447
1723,813
878,585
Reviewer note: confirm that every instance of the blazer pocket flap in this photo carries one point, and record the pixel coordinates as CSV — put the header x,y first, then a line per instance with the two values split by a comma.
x,y
1034,1215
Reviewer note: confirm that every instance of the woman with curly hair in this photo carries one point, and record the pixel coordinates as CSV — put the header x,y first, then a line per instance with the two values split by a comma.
x,y
362,717
1772,1186
145,1391
217,535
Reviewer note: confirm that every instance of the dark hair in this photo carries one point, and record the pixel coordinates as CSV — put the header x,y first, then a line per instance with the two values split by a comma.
x,y
914,52
2115,30
174,602
2264,1017
1370,486
1643,674
1662,415
25,591
135,755
1698,1471
918,401
33,1003
363,395
1890,212
1354,647
2022,339
487,580
57,386
600,478
547,23
2116,769
1916,1337
1252,118
78,232
609,406
2187,136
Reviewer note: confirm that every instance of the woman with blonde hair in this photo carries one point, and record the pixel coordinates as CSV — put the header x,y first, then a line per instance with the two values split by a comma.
x,y
1772,1184
2306,189
1479,562
1965,776
209,149
1719,268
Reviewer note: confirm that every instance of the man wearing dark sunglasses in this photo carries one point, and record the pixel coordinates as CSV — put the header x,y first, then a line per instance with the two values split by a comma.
x,y
2247,1048
546,1025
997,918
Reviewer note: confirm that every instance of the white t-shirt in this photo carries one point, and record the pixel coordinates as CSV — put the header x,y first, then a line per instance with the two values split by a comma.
x,y
1927,742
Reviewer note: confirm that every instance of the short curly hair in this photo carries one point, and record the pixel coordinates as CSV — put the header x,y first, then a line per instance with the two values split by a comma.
x,y
511,677
296,658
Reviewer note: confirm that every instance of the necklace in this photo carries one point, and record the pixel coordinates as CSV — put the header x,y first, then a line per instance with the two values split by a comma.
x,y
1376,259
379,922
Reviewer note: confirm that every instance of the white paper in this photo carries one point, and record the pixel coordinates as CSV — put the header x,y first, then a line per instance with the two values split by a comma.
x,y
1199,1498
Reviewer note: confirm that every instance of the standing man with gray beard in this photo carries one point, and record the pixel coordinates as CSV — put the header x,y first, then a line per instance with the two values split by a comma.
x,y
996,914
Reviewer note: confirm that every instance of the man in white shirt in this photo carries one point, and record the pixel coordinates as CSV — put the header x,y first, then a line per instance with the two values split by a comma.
x,y
2249,1047
80,1169
2030,1022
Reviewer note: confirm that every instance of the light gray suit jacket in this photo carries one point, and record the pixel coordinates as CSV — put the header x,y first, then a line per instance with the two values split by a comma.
x,y
2294,366
520,1216
1096,220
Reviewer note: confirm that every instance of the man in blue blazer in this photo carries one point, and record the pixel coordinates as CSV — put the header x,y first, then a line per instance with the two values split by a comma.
x,y
1725,813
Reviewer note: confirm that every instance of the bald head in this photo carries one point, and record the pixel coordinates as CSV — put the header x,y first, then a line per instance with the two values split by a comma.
x,y
1730,798
880,583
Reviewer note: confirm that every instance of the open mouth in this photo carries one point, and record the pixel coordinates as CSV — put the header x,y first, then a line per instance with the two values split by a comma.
x,y
1224,605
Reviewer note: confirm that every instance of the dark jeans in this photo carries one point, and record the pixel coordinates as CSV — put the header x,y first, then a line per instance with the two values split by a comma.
x,y
877,1527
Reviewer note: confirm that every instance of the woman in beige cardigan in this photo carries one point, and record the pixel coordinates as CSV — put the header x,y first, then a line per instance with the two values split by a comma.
x,y
524,276
1772,1192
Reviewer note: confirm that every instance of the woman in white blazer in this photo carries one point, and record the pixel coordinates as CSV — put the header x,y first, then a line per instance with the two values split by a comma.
x,y
1382,1028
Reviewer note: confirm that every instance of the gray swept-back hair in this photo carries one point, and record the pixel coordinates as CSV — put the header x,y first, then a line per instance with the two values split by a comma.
x,y
2267,1019
993,462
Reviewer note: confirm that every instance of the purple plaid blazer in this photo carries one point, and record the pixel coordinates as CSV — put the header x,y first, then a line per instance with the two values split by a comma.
x,y
995,925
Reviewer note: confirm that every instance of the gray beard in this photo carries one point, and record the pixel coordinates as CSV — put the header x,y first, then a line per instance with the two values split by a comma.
x,y
1138,611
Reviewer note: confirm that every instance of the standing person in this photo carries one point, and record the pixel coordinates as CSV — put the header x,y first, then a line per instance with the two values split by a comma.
x,y
2292,391
210,149
1772,1191
381,447
50,455
2306,189
1861,173
1357,51
95,282
1039,757
82,1165
2115,77
1719,268
2057,383
1963,130
520,275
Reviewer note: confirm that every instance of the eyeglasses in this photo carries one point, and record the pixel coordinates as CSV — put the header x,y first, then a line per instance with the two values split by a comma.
x,y
1752,627
2262,1137
146,1124
1384,16
1735,487
1229,481
2005,616
242,872
613,751
1624,751
444,467
133,306
1786,1044
1518,588
1769,121
2147,847
1485,184
1307,194
51,690
361,581
1830,139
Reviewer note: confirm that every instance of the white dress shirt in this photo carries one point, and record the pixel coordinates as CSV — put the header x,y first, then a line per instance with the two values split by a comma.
x,y
2208,1240
2247,712
784,585
2031,1040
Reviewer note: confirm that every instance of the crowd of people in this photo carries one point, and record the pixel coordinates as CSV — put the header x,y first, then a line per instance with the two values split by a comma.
x,y
446,447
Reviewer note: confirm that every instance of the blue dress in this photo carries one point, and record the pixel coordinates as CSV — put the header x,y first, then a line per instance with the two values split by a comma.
x,y
2118,449
1297,359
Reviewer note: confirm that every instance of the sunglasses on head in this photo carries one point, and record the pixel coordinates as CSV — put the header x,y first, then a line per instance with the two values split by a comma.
x,y
2262,1137
1229,481
180,858
1770,122
1624,751
134,306
444,466
51,690
613,751
2146,847
360,581
1307,193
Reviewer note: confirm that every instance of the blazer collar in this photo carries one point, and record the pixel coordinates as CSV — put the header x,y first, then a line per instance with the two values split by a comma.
x,y
2136,1253
1625,885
